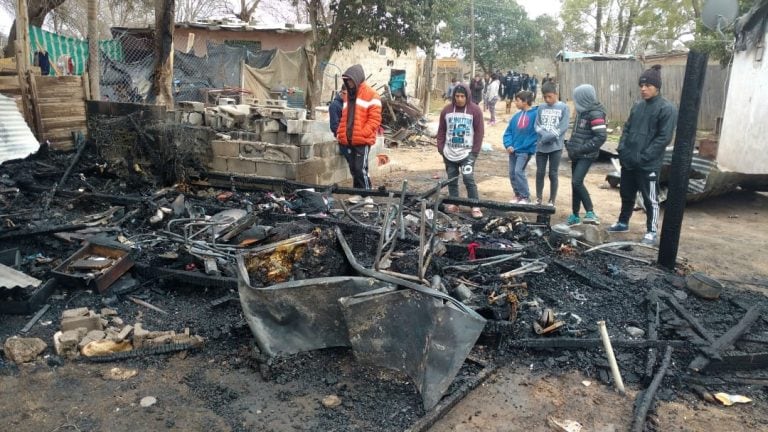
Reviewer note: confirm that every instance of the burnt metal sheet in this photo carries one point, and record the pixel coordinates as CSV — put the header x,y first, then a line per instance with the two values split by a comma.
x,y
10,279
16,139
426,338
297,316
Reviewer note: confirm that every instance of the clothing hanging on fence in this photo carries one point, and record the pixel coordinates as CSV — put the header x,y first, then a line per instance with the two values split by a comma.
x,y
66,65
43,61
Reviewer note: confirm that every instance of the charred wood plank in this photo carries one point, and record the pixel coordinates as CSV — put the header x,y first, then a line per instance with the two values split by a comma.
x,y
591,279
185,277
739,362
653,325
645,398
729,338
591,343
79,139
40,231
683,312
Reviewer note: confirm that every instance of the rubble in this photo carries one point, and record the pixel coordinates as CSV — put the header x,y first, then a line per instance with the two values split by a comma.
x,y
23,350
511,269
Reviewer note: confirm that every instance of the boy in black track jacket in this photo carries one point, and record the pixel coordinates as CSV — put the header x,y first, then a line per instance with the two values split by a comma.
x,y
646,134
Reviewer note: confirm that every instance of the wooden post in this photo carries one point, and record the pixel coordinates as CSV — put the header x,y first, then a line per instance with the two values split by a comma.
x,y
35,106
22,57
163,80
94,71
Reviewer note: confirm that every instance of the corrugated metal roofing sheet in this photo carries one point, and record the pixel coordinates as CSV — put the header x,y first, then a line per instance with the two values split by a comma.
x,y
10,278
16,140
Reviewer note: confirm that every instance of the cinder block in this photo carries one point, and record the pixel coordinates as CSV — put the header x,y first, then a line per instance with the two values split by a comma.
x,y
310,171
297,126
241,166
88,322
269,137
73,313
276,169
252,149
307,151
282,153
225,148
271,126
282,137
219,163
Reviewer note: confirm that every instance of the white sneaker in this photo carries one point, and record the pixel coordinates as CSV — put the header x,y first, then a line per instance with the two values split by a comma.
x,y
368,202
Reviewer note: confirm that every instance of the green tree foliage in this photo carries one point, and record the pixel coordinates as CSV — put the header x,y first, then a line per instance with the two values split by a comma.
x,y
401,25
638,26
504,36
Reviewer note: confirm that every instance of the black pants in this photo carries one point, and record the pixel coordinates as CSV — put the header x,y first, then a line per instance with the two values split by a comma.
x,y
541,171
358,166
453,169
647,183
579,169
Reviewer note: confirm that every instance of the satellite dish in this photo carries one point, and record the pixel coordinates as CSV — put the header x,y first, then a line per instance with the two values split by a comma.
x,y
719,14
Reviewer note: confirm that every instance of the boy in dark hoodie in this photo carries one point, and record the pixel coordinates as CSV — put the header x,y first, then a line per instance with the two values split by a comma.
x,y
520,142
589,133
459,139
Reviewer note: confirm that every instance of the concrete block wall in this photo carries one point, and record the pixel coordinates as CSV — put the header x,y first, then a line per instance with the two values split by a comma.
x,y
279,142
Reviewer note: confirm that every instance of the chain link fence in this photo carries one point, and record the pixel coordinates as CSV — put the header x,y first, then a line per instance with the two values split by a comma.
x,y
128,77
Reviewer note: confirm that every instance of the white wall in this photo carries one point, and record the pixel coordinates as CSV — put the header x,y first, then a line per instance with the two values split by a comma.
x,y
743,143
374,64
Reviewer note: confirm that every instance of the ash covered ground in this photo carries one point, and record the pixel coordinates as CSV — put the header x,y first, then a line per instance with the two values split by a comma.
x,y
226,384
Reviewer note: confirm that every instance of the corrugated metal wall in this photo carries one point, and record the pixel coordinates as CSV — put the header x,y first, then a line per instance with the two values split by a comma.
x,y
16,140
616,86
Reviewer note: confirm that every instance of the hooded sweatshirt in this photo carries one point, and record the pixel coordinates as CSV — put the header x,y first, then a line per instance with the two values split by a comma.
x,y
361,114
521,134
551,126
461,129
589,131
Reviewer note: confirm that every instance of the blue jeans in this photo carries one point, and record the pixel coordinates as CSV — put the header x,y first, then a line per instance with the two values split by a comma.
x,y
517,164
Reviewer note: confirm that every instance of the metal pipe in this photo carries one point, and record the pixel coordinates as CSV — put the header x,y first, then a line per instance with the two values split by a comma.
x,y
611,358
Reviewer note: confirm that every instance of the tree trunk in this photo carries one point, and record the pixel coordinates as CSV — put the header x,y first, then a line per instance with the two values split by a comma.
x,y
598,26
37,10
163,76
94,71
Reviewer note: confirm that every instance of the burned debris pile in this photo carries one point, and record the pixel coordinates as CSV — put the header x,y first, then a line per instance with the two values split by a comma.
x,y
394,280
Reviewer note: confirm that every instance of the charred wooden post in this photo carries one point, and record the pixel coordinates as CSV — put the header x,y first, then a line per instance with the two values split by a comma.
x,y
688,317
645,398
682,157
163,76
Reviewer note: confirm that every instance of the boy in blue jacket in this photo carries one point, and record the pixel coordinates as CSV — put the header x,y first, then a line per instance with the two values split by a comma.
x,y
520,141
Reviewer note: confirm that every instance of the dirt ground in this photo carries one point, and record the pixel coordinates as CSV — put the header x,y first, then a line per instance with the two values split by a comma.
x,y
206,391
723,237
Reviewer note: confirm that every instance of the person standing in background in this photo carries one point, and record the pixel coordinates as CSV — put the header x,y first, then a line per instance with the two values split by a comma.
x,y
551,125
476,87
334,113
459,139
646,134
492,93
520,142
359,123
589,134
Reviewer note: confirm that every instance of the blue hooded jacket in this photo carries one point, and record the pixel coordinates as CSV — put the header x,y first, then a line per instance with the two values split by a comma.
x,y
334,112
521,133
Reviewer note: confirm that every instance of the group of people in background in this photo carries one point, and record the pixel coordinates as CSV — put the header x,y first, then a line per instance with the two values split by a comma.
x,y
538,131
